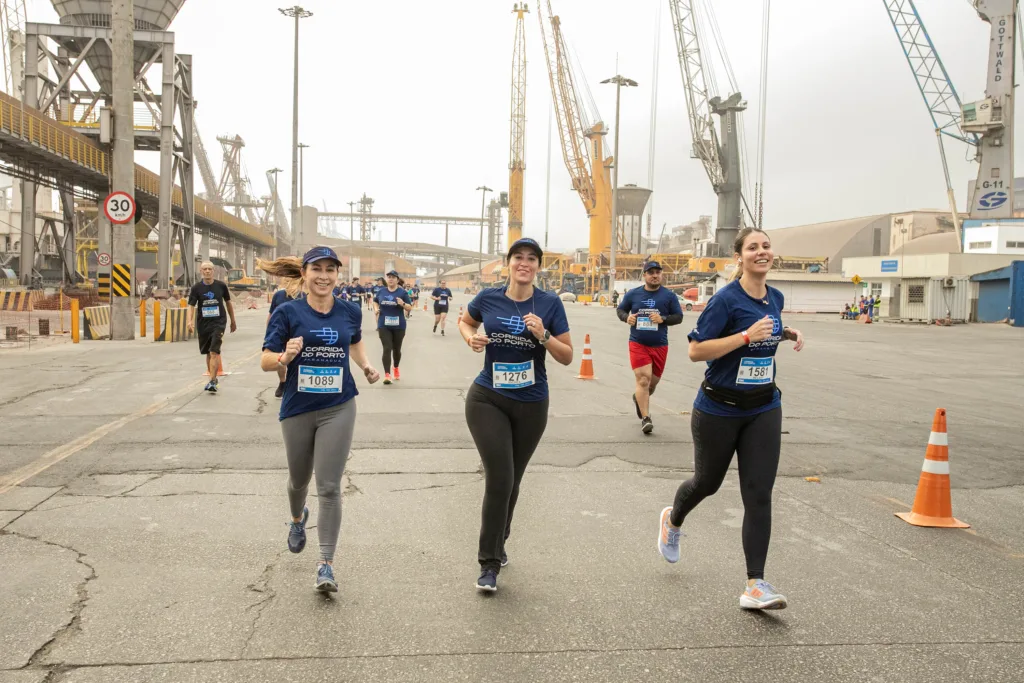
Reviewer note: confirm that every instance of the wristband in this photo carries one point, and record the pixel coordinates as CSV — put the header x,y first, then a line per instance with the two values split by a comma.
x,y
746,337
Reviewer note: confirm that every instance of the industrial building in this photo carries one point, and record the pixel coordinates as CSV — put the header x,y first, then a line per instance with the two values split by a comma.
x,y
1001,295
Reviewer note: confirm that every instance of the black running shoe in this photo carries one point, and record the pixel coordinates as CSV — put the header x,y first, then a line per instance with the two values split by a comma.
x,y
442,333
636,405
504,559
280,390
647,425
435,329
488,581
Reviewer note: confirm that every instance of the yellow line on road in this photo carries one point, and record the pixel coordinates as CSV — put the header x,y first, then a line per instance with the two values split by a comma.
x,y
48,460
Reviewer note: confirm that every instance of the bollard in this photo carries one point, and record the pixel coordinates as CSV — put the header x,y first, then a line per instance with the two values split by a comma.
x,y
44,327
142,318
156,320
182,303
74,321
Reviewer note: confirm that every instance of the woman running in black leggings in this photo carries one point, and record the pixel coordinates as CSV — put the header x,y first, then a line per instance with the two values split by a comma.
x,y
507,406
738,409
392,304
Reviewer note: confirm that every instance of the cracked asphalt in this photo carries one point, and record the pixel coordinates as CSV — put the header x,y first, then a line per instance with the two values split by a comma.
x,y
143,522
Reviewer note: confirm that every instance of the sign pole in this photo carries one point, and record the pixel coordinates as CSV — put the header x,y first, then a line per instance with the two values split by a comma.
x,y
122,304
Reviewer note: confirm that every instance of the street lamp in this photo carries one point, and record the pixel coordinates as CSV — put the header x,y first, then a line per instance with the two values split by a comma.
x,y
480,264
619,82
351,235
276,202
302,187
297,13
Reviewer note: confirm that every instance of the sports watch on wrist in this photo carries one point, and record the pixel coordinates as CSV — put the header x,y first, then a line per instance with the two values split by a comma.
x,y
546,339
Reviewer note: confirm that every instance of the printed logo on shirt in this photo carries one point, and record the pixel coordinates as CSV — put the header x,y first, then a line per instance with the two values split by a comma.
x,y
776,324
209,295
649,303
515,324
326,335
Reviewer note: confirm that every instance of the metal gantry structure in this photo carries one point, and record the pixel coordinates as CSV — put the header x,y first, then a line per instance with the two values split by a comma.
x,y
12,40
987,126
582,148
517,143
720,157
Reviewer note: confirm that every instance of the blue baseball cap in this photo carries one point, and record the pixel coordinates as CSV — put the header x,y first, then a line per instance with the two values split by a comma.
x,y
525,242
320,253
392,272
651,265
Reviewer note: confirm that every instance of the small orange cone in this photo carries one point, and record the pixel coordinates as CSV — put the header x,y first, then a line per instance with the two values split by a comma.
x,y
587,366
932,504
220,370
424,308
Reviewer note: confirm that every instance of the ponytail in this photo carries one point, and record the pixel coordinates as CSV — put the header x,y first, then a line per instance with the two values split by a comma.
x,y
289,268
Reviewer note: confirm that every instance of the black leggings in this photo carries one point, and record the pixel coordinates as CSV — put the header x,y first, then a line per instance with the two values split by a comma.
x,y
757,441
506,433
391,340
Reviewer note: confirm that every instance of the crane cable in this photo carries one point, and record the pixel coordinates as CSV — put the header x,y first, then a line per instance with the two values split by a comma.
x,y
762,115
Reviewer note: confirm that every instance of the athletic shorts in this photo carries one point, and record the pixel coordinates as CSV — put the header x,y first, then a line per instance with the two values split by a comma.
x,y
438,310
655,356
210,339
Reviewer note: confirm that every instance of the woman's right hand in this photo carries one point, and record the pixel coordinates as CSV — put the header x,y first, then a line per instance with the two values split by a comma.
x,y
478,341
291,350
761,330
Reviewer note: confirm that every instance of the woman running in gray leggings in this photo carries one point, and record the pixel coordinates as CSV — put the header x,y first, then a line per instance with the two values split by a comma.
x,y
313,339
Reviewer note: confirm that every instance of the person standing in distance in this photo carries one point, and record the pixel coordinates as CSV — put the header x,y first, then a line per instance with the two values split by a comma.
x,y
207,301
649,311
442,297
377,286
314,338
288,270
738,409
507,405
392,305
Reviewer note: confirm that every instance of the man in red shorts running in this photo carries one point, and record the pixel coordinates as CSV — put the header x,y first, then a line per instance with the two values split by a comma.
x,y
649,311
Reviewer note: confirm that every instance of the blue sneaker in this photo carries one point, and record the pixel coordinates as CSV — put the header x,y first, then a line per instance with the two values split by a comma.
x,y
488,581
504,559
668,537
325,582
297,533
762,595
211,387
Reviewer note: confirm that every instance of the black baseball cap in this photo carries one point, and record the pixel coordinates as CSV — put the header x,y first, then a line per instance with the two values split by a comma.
x,y
525,242
392,272
319,254
651,265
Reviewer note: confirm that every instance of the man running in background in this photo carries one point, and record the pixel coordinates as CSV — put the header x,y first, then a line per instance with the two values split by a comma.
x,y
442,296
207,302
649,311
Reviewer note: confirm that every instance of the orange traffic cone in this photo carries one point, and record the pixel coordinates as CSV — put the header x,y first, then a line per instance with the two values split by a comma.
x,y
932,504
220,370
424,308
587,366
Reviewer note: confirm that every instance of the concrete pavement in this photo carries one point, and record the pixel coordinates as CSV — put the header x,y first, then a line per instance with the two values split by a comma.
x,y
148,542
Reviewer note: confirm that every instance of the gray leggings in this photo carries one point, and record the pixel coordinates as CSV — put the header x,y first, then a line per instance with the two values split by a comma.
x,y
319,441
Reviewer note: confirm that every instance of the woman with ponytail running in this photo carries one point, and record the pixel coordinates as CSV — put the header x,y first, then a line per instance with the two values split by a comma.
x,y
392,305
314,338
507,406
738,409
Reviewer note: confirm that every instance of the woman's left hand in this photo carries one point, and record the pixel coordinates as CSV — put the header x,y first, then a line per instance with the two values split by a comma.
x,y
535,325
798,337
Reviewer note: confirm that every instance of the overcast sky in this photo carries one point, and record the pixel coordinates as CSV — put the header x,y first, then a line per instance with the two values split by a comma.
x,y
408,101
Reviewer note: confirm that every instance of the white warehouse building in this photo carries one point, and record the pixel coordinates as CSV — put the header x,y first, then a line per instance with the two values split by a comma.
x,y
993,238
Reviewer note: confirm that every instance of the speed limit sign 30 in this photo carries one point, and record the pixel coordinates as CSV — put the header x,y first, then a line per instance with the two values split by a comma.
x,y
119,207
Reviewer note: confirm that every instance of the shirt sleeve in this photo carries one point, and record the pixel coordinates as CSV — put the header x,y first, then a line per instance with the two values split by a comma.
x,y
227,292
626,302
278,330
712,321
673,304
474,308
193,298
559,323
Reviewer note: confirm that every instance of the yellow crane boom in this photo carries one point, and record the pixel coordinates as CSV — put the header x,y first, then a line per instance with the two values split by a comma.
x,y
517,144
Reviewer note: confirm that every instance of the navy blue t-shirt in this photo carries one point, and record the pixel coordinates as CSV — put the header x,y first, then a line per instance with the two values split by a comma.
x,y
354,291
280,297
731,311
319,377
514,358
392,314
643,302
443,295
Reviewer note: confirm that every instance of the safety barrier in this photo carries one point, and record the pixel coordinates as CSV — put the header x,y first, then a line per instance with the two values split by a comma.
x,y
16,301
175,328
97,322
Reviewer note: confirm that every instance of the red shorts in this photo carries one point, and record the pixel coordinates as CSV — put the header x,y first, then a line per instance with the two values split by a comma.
x,y
655,356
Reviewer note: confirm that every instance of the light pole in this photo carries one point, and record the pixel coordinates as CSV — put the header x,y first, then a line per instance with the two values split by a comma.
x,y
302,188
619,81
480,264
351,235
297,13
277,202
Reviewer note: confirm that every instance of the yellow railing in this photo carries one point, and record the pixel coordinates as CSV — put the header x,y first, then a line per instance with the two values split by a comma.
x,y
30,125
